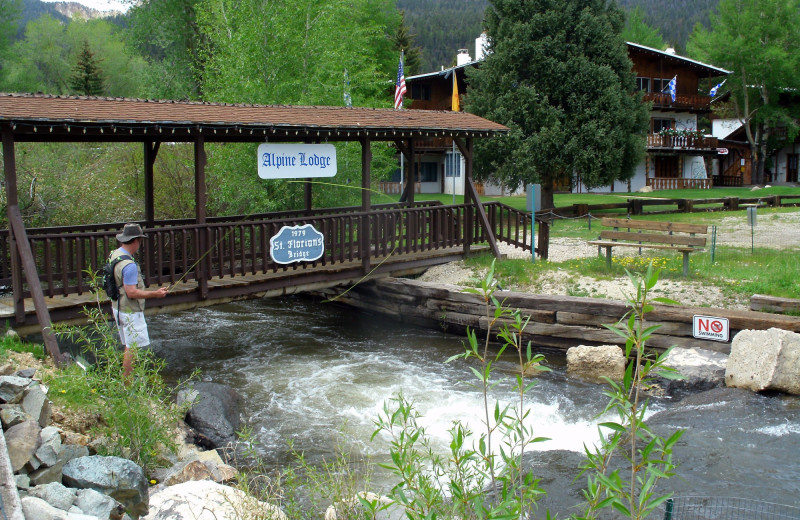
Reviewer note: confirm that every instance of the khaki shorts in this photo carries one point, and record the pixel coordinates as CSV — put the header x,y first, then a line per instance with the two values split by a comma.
x,y
132,329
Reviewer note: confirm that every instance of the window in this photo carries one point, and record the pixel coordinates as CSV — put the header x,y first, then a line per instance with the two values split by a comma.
x,y
659,124
643,84
660,84
426,172
422,92
452,165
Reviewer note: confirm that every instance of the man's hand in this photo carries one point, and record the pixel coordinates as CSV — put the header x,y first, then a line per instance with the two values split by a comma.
x,y
160,293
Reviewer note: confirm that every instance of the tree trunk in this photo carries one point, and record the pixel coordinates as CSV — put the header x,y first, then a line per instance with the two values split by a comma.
x,y
547,195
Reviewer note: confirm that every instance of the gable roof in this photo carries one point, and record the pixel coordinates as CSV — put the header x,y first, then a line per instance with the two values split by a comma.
x,y
39,117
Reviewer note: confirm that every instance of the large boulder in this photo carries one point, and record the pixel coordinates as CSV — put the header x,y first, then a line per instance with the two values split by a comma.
x,y
214,412
701,369
592,363
116,477
207,500
765,360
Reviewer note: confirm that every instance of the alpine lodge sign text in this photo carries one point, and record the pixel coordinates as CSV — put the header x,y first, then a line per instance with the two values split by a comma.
x,y
296,161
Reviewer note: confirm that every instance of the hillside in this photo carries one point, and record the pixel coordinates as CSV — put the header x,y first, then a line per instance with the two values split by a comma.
x,y
444,26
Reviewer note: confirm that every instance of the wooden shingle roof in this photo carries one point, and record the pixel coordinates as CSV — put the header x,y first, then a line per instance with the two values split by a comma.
x,y
39,117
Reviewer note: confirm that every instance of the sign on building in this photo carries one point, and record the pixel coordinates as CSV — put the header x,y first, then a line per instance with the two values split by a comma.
x,y
296,161
709,327
296,244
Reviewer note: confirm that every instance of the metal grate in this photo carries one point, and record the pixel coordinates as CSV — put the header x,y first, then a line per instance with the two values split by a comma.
x,y
723,508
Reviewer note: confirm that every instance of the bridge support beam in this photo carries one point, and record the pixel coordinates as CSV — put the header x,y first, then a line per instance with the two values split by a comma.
x,y
24,253
469,190
366,202
200,199
150,154
408,151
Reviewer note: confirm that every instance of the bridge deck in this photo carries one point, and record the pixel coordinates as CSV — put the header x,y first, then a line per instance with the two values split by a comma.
x,y
295,278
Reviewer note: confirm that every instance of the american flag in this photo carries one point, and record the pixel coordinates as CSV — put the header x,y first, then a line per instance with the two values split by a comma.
x,y
400,85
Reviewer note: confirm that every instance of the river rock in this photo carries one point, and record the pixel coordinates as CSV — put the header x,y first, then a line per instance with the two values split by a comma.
x,y
13,414
701,369
97,504
119,478
592,363
36,404
186,471
26,372
214,412
207,500
12,388
56,494
33,507
22,441
765,360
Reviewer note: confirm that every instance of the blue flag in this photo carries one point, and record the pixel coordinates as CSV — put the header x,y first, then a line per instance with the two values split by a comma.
x,y
673,85
714,90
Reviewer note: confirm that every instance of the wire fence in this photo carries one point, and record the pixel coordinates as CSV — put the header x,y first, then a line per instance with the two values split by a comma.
x,y
724,508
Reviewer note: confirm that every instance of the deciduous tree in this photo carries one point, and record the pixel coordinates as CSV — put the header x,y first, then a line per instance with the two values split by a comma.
x,y
558,75
758,41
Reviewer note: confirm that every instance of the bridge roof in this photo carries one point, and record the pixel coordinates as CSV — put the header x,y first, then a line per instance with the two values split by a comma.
x,y
41,117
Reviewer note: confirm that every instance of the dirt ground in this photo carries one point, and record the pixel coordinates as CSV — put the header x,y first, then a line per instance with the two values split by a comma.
x,y
779,231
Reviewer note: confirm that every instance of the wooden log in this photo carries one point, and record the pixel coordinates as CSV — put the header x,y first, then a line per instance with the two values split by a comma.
x,y
764,303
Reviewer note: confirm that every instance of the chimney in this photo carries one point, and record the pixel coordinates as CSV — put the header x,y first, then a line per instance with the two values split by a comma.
x,y
463,57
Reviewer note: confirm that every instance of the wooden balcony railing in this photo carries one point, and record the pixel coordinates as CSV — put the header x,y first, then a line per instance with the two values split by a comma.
x,y
660,100
672,183
681,142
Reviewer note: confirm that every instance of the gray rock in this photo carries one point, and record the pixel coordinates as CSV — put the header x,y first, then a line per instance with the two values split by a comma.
x,y
592,363
94,503
23,481
12,414
55,494
701,369
45,475
36,404
72,451
38,509
22,441
12,387
119,478
215,412
765,360
49,447
26,372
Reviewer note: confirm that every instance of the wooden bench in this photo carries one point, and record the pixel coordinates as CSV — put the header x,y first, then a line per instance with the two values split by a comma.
x,y
647,234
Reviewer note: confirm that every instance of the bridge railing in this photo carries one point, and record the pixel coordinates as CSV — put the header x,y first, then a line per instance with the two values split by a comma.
x,y
64,257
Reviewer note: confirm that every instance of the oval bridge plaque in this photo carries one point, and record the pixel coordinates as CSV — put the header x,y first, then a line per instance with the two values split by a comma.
x,y
297,244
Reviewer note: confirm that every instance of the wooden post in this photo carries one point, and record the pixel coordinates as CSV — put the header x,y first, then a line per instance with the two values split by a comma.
x,y
307,195
366,202
150,153
23,248
200,199
469,188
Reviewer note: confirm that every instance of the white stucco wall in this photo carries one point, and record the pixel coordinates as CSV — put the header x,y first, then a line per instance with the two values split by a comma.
x,y
722,128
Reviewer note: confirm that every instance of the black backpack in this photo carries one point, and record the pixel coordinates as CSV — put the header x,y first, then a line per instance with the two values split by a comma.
x,y
109,280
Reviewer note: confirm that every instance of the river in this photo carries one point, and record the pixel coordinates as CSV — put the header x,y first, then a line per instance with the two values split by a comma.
x,y
308,370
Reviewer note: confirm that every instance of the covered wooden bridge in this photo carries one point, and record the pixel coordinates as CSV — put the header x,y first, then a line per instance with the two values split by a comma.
x,y
208,260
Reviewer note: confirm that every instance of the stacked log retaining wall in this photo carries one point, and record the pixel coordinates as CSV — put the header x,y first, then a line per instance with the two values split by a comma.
x,y
556,321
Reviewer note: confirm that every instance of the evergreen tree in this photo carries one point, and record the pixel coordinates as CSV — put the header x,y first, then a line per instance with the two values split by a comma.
x,y
758,41
558,75
87,77
404,40
638,31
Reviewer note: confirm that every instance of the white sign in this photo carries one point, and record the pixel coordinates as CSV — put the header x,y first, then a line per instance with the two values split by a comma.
x,y
296,161
709,327
722,151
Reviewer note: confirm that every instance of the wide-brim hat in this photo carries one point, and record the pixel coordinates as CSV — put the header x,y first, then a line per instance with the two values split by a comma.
x,y
129,232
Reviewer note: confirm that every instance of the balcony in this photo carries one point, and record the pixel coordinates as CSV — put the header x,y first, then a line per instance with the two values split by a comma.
x,y
678,142
682,102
